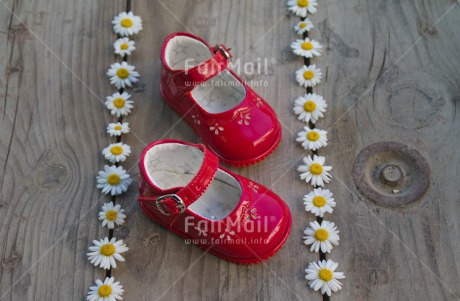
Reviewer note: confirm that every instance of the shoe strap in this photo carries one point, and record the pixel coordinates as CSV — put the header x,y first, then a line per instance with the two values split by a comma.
x,y
210,68
178,199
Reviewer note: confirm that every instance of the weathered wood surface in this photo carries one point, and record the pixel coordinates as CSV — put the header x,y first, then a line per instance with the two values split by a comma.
x,y
53,129
392,74
53,60
167,268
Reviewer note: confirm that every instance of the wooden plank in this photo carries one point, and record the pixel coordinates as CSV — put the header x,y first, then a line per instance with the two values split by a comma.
x,y
392,74
52,80
168,268
52,85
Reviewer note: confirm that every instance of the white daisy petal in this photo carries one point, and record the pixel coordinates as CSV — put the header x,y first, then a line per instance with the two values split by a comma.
x,y
306,48
116,152
302,7
308,76
318,285
316,172
122,75
312,139
104,291
319,276
322,236
310,107
117,129
124,46
118,257
112,215
127,24
303,26
113,180
107,254
119,104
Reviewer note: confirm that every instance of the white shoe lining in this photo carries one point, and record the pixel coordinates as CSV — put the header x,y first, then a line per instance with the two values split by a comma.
x,y
217,95
174,165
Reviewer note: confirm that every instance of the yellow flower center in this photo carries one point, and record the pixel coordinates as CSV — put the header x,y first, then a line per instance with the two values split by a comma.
x,y
316,169
105,290
302,3
113,179
321,234
308,75
319,201
107,250
119,103
307,46
116,150
313,136
124,46
117,127
127,23
111,215
302,25
309,106
123,73
325,275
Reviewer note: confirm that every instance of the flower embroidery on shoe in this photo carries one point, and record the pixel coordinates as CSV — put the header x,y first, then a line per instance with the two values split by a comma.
x,y
252,214
201,231
258,102
227,234
216,128
254,187
244,119
244,209
246,213
195,119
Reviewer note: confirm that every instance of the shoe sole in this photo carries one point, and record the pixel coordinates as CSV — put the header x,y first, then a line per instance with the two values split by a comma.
x,y
209,249
236,163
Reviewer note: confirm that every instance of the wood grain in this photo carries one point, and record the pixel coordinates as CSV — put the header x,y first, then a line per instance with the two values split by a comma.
x,y
390,73
168,268
54,57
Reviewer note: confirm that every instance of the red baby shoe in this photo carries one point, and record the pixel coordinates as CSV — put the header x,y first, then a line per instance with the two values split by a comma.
x,y
230,118
182,188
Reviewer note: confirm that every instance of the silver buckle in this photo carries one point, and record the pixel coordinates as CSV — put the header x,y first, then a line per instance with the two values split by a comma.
x,y
224,52
180,203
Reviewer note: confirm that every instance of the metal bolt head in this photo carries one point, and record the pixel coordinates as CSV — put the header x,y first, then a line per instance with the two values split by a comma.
x,y
392,175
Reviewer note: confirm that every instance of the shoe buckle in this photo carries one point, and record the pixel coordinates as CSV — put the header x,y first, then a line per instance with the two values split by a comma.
x,y
224,51
179,203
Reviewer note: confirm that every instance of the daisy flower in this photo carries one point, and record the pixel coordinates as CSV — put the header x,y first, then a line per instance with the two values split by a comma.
x,y
306,47
312,138
321,236
119,104
322,275
303,26
109,290
319,201
113,179
116,129
126,24
301,7
308,76
314,170
117,152
105,253
112,215
124,46
122,75
310,107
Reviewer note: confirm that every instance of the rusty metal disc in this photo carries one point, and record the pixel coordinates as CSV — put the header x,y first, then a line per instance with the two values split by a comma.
x,y
391,174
